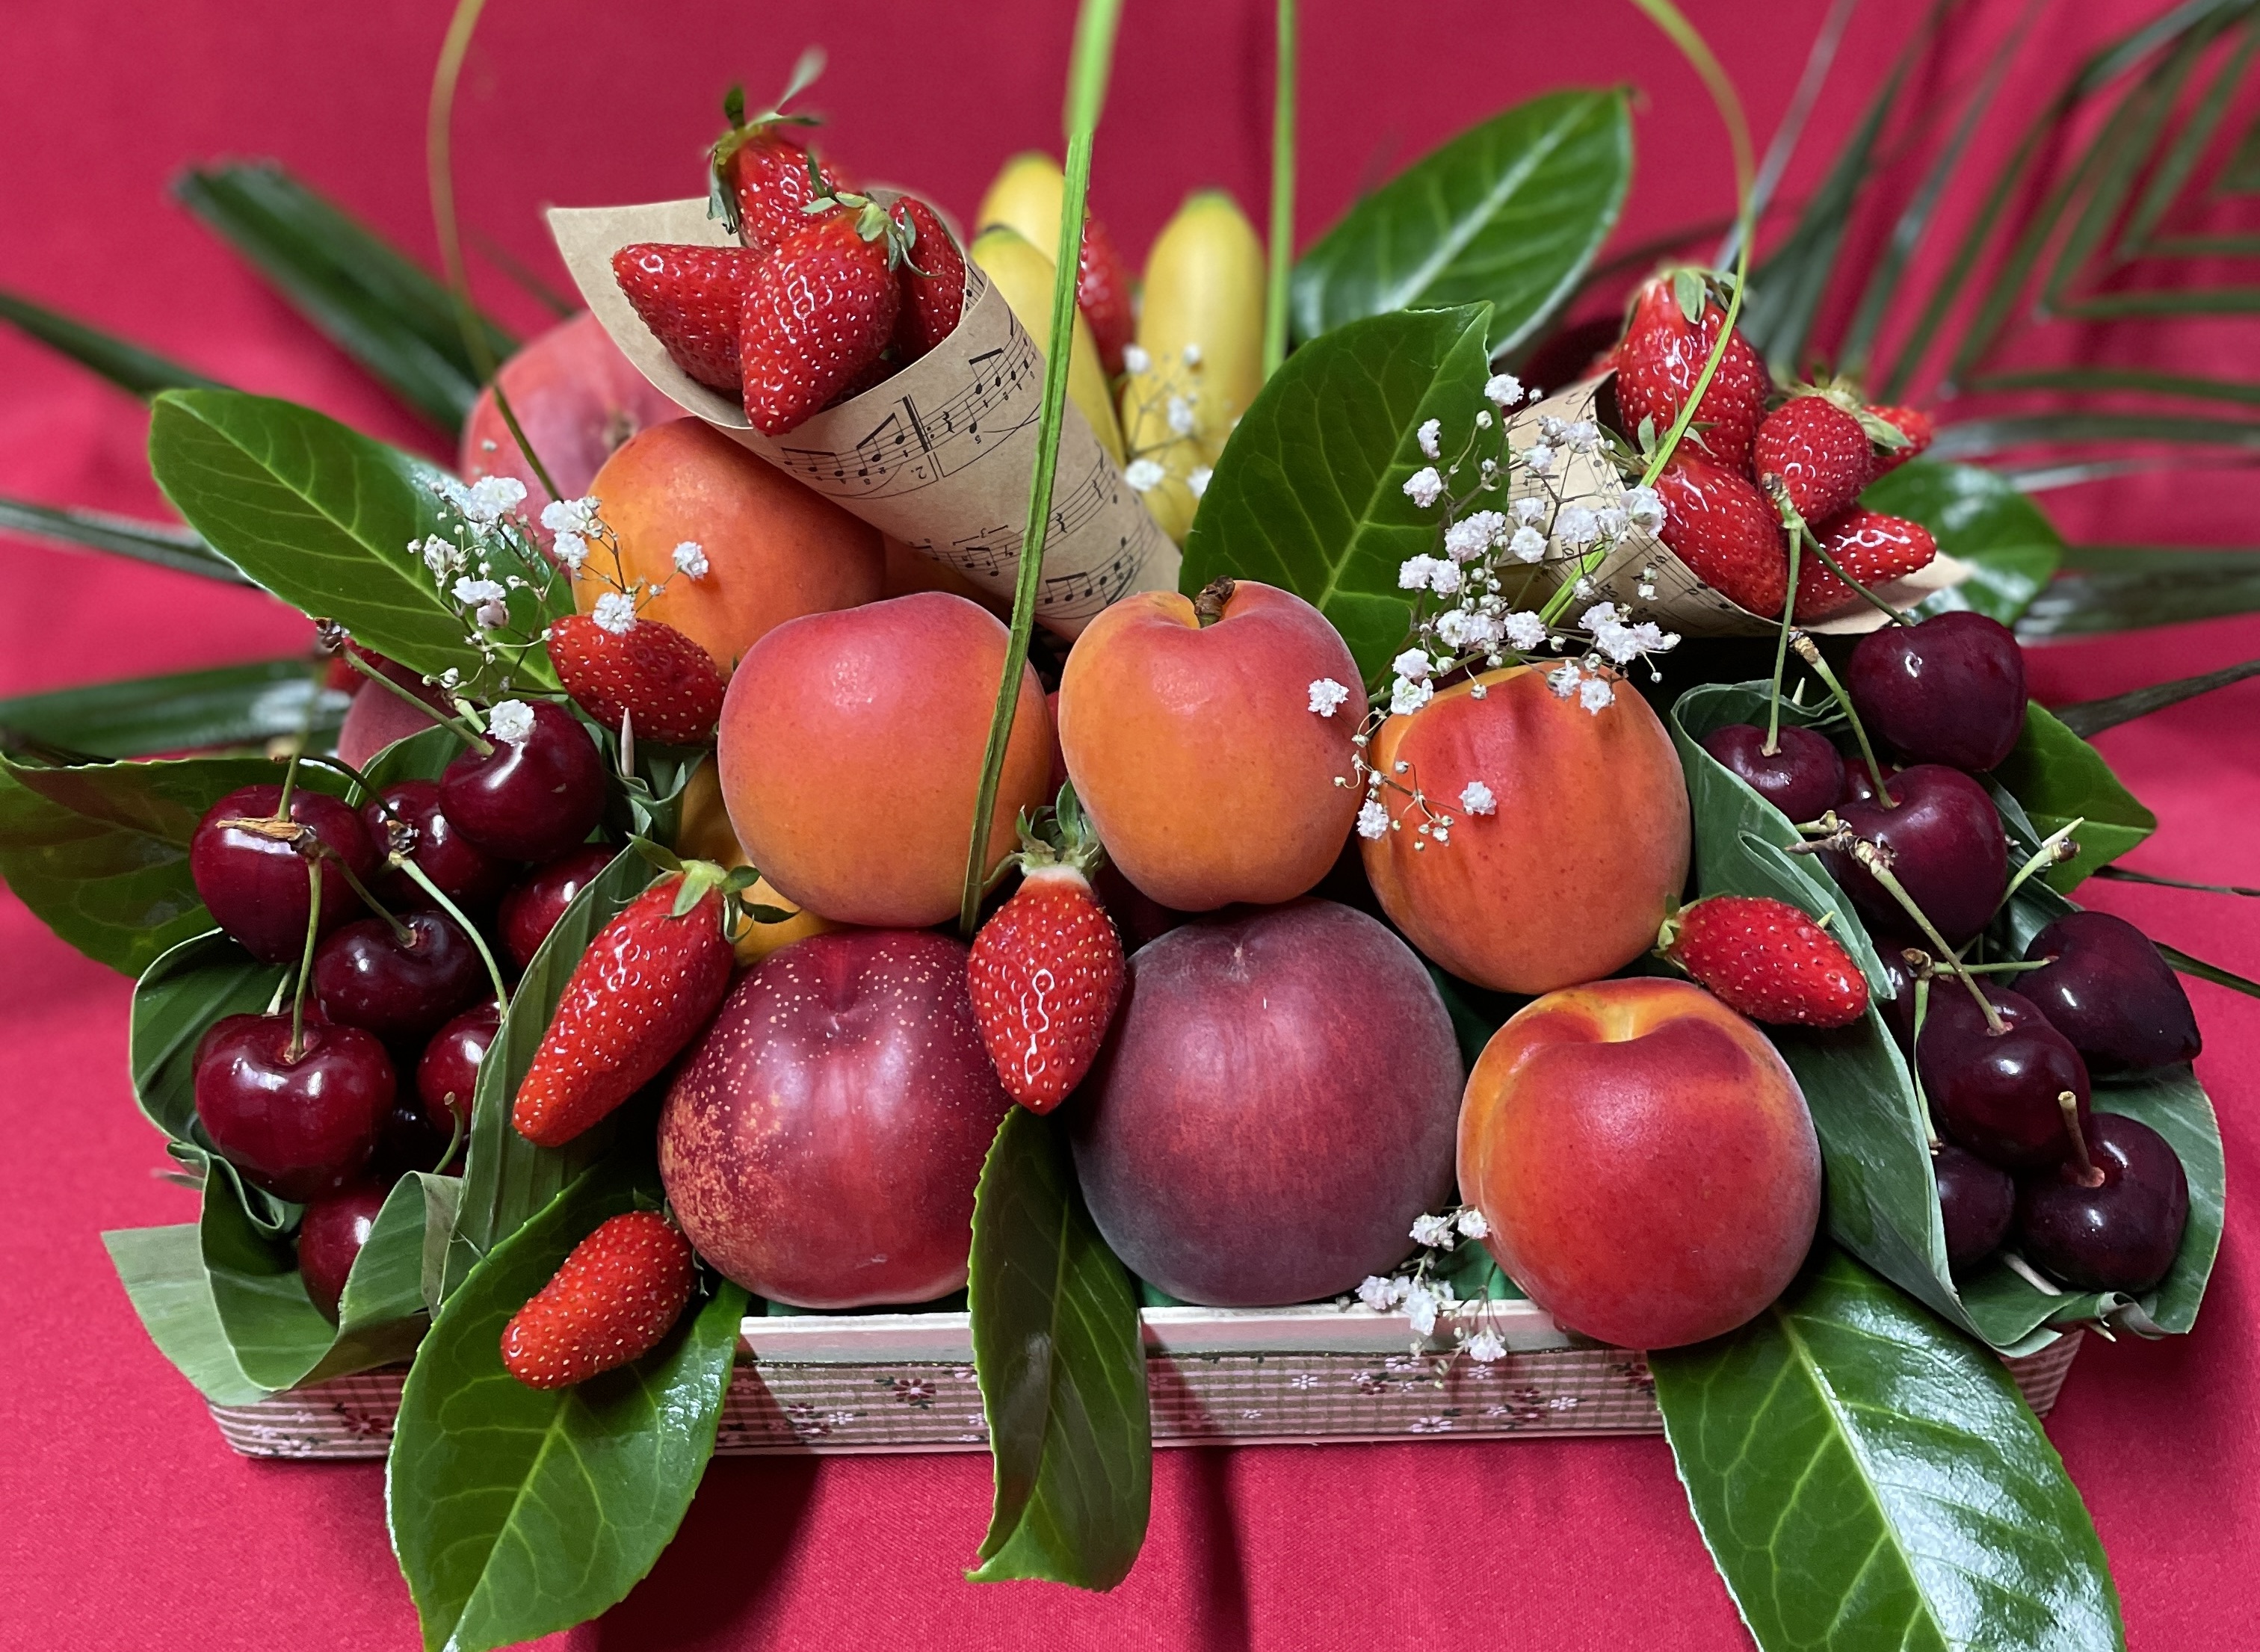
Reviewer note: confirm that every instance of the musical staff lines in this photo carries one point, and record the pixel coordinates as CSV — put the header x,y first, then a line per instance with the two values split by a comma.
x,y
913,447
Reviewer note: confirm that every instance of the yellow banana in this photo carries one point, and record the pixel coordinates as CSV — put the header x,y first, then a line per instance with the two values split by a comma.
x,y
1026,197
705,834
1024,277
1202,330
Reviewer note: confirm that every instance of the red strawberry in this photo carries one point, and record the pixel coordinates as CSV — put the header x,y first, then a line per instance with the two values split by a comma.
x,y
1102,291
931,277
618,1293
1868,546
1819,452
1046,970
690,298
1911,423
1661,355
761,174
1767,960
648,982
665,683
1717,522
817,312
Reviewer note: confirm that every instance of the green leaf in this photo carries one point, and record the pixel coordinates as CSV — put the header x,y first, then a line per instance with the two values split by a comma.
x,y
2199,970
1979,518
373,302
1975,437
519,1511
324,517
177,998
1309,494
1865,1478
179,711
2092,716
2059,777
2133,380
1062,1359
162,1270
2103,588
507,1178
1509,213
128,366
158,544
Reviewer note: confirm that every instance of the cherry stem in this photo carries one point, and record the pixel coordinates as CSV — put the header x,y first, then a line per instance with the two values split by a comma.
x,y
1796,524
2025,1271
361,781
422,880
2057,845
1914,1042
2069,1104
305,961
2009,966
1874,601
1809,651
289,785
462,730
1870,857
457,1135
400,931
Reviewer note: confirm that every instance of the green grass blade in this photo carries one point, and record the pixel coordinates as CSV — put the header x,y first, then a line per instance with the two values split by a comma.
x,y
128,366
2090,717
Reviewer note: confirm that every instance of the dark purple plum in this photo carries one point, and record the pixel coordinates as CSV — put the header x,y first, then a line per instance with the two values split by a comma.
x,y
530,798
2111,994
250,868
1998,1093
2114,1223
1949,690
1802,776
1944,838
1977,1200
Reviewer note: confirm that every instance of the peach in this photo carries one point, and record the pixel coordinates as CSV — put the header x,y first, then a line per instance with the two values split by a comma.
x,y
850,753
1584,850
1645,1160
376,716
703,834
1187,728
775,550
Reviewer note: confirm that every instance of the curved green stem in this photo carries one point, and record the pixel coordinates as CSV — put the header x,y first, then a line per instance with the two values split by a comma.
x,y
306,959
463,731
1867,596
1283,193
1808,651
423,881
1780,646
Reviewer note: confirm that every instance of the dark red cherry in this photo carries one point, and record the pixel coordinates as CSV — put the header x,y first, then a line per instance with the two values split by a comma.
x,y
530,798
250,871
467,877
531,911
1859,784
299,1128
1946,851
1898,1003
2113,1224
2111,994
368,975
408,1141
1998,1093
1802,776
1948,690
447,1076
331,1235
1975,1200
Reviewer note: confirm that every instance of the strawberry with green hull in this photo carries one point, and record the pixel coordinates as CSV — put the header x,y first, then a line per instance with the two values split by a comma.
x,y
1870,546
761,174
690,297
817,312
1822,454
1914,425
1663,351
645,671
932,277
618,1293
650,980
1720,524
1047,971
1767,960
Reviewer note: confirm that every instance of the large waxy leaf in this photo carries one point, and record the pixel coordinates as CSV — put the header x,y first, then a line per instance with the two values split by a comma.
x,y
1979,518
324,517
2060,778
1866,1477
128,366
374,302
160,544
162,1270
177,998
181,711
517,1511
2104,588
1508,213
1062,1365
1309,494
507,1178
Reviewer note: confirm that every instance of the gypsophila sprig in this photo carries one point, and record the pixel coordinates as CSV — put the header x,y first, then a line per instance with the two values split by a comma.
x,y
1428,1302
485,563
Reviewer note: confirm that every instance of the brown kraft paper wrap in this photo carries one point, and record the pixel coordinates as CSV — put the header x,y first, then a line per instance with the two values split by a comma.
x,y
1683,603
940,456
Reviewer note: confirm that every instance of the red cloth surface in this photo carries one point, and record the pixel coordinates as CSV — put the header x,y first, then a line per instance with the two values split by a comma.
x,y
124,1522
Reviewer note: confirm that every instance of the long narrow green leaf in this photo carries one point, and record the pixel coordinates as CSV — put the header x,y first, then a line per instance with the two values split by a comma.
x,y
2203,247
128,366
178,712
2122,875
2199,969
371,300
2244,392
2092,717
1979,436
1820,58
158,543
2180,301
2104,588
2165,184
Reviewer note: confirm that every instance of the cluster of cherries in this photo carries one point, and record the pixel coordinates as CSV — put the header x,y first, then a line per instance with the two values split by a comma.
x,y
2096,1200
372,904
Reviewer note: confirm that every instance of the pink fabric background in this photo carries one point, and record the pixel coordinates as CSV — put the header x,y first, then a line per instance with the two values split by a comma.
x,y
124,1522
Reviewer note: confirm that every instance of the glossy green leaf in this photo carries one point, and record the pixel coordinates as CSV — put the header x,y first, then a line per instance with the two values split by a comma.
x,y
1509,213
1309,494
2059,777
374,302
2103,588
1978,518
160,544
1866,1477
1061,1360
177,998
162,1270
324,517
179,711
515,1510
507,1178
128,366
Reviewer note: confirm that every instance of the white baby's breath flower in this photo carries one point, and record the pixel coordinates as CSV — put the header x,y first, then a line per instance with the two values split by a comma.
x,y
1144,475
1135,358
1576,527
1542,459
570,550
1197,481
1529,545
492,616
1180,414
615,612
1424,486
570,516
1416,573
1503,389
1406,697
442,556
1430,436
1412,663
1373,819
472,592
1470,1223
1645,507
1483,422
1596,694
1581,435
511,722
492,497
1529,511
1444,576
1476,798
1613,522
1466,629
1432,1231
1486,1346
1474,534
1563,679
1327,697
1524,630
1190,354
691,560
1381,1292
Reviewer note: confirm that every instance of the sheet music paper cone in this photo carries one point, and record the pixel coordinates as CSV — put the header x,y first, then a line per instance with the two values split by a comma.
x,y
1683,602
940,456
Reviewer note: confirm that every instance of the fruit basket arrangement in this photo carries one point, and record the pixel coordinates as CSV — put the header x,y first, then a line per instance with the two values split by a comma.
x,y
927,846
